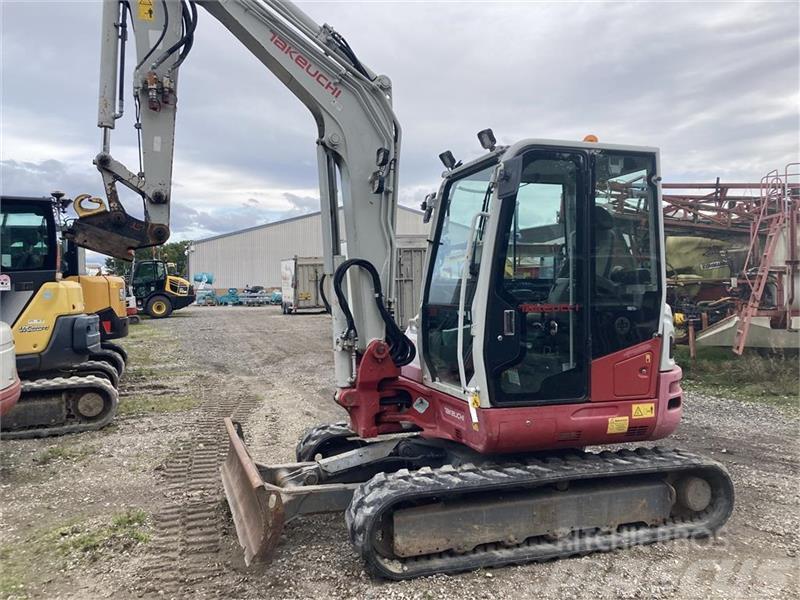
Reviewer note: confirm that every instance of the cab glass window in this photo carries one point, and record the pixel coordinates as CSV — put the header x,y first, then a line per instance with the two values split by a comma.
x,y
27,242
145,272
626,258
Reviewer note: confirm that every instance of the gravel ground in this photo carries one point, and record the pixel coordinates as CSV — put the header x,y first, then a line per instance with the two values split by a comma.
x,y
273,372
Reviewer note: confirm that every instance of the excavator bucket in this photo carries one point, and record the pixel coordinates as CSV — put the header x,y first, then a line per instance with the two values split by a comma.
x,y
257,506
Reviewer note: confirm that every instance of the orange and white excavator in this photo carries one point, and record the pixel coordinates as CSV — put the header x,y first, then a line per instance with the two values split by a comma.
x,y
542,329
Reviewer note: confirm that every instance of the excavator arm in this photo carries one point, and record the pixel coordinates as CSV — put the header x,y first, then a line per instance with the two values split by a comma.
x,y
358,141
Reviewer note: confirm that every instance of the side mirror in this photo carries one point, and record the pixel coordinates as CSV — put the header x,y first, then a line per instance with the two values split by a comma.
x,y
427,207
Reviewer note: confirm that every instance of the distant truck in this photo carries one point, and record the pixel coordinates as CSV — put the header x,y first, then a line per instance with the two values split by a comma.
x,y
300,281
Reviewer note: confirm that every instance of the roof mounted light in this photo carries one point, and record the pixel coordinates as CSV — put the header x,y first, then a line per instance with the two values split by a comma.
x,y
591,138
382,157
487,139
448,160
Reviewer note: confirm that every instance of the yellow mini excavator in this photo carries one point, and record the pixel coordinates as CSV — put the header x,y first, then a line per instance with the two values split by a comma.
x,y
103,295
63,390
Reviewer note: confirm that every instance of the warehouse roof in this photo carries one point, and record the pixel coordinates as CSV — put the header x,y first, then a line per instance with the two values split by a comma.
x,y
281,222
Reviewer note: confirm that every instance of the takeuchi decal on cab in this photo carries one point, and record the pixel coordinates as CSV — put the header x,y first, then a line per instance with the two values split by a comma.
x,y
549,308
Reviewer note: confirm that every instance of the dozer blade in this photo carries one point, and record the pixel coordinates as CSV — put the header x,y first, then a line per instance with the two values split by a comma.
x,y
257,507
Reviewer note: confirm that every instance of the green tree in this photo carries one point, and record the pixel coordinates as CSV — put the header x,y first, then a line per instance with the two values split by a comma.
x,y
172,252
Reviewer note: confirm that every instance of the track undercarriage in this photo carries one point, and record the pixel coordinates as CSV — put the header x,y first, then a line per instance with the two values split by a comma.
x,y
416,507
61,405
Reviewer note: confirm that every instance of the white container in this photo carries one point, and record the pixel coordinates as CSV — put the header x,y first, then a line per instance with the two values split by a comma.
x,y
300,279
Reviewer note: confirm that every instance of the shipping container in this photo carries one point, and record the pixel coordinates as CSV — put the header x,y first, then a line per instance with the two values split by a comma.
x,y
300,280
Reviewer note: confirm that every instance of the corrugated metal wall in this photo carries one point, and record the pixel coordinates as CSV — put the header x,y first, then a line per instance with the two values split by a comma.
x,y
253,256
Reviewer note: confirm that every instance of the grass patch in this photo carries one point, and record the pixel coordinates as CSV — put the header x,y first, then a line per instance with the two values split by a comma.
x,y
145,331
165,403
137,372
63,453
123,532
12,576
47,551
754,377
145,344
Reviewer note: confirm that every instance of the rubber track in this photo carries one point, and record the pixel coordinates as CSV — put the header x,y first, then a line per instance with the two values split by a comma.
x,y
315,436
97,365
112,358
62,384
378,495
116,348
85,369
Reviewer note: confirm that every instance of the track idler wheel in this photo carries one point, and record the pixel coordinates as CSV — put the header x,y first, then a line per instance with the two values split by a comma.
x,y
693,493
90,405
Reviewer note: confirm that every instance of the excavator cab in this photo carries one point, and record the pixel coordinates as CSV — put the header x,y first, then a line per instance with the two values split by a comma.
x,y
560,263
158,289
46,314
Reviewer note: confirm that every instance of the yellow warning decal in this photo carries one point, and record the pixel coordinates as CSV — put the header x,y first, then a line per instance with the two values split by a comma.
x,y
474,405
617,425
644,411
146,10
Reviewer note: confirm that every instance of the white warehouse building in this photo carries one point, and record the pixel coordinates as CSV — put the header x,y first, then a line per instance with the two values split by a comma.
x,y
252,256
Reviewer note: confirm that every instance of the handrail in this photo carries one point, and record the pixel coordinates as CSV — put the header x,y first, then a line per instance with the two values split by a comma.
x,y
462,301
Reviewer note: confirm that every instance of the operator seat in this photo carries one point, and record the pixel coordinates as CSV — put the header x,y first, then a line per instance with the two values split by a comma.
x,y
610,250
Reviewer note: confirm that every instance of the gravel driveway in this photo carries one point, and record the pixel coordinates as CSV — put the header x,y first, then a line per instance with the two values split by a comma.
x,y
273,373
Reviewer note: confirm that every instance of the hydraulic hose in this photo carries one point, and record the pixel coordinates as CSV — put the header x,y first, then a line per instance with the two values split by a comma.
x,y
322,294
160,37
189,18
401,349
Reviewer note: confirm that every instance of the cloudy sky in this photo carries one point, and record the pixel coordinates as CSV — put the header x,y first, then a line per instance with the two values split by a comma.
x,y
715,85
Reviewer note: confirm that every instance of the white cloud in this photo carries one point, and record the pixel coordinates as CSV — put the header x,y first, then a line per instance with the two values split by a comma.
x,y
715,85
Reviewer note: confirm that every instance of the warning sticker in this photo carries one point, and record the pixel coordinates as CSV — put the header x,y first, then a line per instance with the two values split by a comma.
x,y
146,10
5,283
644,411
617,425
474,405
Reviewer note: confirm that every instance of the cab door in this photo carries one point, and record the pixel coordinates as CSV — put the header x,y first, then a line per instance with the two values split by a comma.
x,y
454,263
536,348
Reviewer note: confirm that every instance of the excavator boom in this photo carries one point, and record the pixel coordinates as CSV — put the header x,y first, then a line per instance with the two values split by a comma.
x,y
358,141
